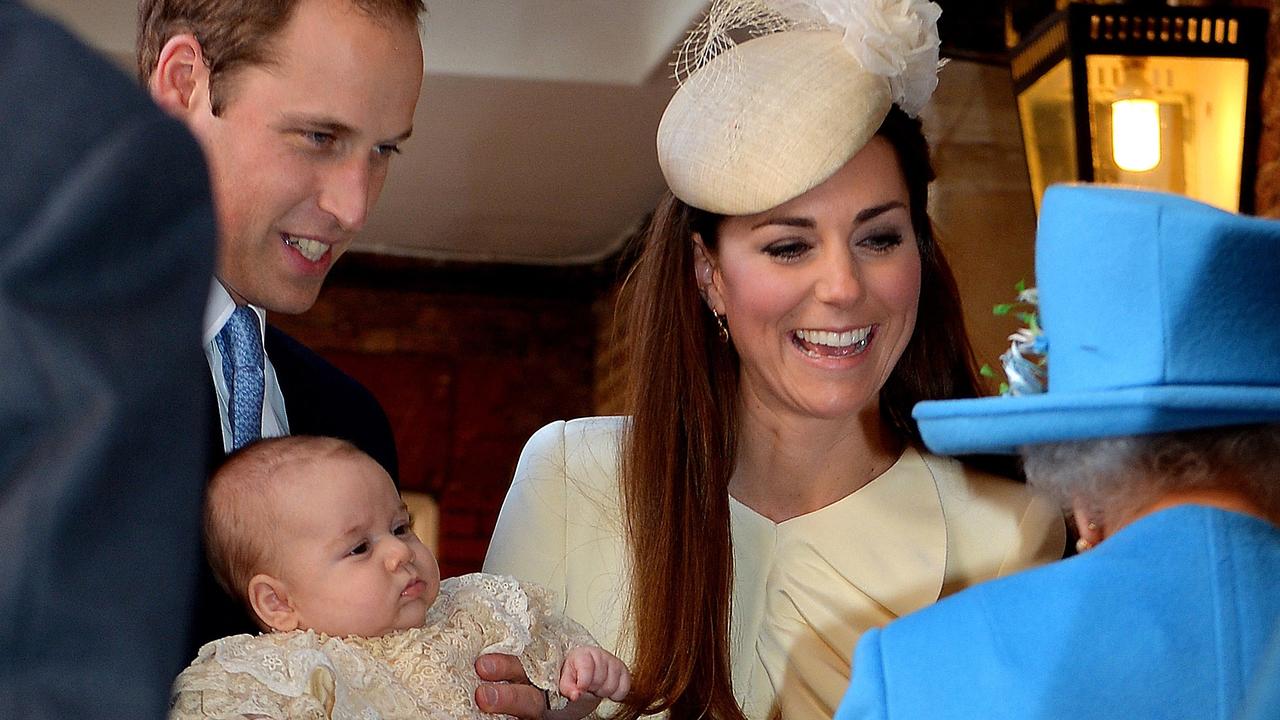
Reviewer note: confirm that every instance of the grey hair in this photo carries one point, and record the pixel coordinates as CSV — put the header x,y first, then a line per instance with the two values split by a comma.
x,y
1119,476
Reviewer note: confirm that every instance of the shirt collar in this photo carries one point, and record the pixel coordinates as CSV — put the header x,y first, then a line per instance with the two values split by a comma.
x,y
218,309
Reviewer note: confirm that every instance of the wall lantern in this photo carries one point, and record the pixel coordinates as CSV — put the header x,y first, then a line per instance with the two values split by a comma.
x,y
1165,98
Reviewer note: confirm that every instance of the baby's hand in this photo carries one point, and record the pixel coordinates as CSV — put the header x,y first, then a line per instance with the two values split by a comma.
x,y
592,670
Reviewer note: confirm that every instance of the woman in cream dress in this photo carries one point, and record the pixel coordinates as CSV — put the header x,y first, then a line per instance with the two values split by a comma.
x,y
768,500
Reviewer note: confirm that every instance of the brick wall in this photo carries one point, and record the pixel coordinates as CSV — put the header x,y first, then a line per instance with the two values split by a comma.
x,y
467,363
610,372
1268,188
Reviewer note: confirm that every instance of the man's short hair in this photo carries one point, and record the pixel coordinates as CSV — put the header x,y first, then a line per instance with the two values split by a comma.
x,y
234,33
240,506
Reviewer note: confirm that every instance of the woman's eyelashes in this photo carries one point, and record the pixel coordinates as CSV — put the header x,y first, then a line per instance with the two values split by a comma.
x,y
790,250
882,241
787,250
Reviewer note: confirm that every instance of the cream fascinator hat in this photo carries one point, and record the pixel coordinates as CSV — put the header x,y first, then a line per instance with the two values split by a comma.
x,y
757,123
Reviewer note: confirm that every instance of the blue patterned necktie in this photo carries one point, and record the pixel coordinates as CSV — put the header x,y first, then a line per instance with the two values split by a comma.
x,y
240,343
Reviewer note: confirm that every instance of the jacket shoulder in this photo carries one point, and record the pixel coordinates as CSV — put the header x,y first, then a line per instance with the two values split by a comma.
x,y
321,399
995,525
582,453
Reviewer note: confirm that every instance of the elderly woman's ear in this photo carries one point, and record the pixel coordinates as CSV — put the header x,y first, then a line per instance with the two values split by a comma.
x,y
1089,525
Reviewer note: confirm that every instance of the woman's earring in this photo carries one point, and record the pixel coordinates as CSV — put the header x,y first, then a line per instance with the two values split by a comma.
x,y
723,324
1083,545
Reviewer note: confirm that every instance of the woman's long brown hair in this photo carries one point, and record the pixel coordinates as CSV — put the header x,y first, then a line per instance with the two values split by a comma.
x,y
679,452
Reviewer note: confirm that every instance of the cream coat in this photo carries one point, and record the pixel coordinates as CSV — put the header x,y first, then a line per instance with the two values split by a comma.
x,y
804,589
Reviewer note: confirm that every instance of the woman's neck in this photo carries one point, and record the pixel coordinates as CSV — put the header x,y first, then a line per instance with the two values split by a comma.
x,y
1221,498
789,465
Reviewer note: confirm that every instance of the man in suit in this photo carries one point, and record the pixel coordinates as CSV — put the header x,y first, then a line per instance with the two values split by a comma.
x,y
300,107
106,246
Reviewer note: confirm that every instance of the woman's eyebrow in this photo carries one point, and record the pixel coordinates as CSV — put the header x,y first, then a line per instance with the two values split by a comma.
x,y
808,223
878,210
800,222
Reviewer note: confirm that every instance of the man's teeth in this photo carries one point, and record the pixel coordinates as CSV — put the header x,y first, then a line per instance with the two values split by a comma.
x,y
834,339
310,249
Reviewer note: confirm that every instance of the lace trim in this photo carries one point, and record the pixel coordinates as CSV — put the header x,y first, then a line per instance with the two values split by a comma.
x,y
424,672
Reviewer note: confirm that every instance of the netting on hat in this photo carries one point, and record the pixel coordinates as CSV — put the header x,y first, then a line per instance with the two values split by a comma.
x,y
897,39
724,22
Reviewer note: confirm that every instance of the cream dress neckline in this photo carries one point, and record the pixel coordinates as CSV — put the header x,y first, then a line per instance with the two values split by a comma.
x,y
807,587
740,507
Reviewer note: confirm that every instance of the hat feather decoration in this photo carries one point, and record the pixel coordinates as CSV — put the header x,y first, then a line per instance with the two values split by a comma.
x,y
897,39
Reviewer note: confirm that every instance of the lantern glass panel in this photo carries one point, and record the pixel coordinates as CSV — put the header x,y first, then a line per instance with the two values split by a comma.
x,y
1196,133
1044,109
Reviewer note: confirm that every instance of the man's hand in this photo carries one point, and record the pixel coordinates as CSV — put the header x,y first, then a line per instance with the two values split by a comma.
x,y
506,690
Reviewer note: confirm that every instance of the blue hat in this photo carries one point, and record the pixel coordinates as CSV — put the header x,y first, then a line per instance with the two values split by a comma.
x,y
1160,314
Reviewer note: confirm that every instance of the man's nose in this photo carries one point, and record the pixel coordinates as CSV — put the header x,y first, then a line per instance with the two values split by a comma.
x,y
345,193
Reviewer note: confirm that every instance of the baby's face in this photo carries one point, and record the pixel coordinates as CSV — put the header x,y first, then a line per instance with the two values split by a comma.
x,y
347,554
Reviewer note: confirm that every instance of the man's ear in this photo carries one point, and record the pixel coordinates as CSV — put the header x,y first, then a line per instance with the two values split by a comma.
x,y
707,275
180,82
269,598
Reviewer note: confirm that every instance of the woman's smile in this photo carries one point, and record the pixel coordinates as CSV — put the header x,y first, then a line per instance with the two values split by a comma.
x,y
820,344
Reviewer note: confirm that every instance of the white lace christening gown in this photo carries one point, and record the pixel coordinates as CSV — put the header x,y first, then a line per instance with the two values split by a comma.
x,y
424,672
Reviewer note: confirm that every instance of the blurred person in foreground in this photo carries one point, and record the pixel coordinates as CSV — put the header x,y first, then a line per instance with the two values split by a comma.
x,y
1160,432
106,249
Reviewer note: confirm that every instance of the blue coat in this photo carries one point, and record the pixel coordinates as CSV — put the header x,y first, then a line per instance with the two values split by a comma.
x,y
1169,618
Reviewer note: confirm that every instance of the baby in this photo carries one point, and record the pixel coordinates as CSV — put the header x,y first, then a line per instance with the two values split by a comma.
x,y
312,536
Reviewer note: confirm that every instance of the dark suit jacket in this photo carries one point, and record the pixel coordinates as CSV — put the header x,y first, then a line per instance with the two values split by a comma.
x,y
322,400
1170,618
106,250
319,399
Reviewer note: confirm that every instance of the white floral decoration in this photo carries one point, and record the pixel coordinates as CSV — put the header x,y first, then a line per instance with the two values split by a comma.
x,y
897,39
1024,375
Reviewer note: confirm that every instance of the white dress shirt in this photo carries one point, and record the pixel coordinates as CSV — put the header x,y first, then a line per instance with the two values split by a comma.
x,y
275,423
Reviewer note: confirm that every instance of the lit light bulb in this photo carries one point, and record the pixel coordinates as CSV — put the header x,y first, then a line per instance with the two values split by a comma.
x,y
1135,134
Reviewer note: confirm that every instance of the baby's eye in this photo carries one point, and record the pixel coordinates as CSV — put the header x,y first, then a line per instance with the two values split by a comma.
x,y
401,529
360,549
